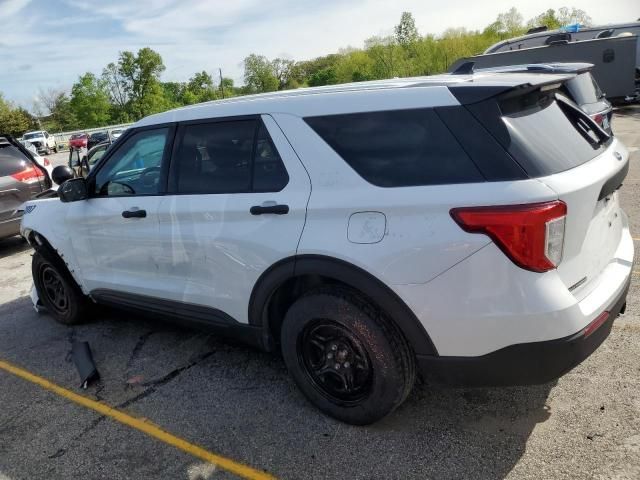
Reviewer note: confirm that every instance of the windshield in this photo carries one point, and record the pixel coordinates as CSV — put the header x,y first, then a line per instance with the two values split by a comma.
x,y
29,136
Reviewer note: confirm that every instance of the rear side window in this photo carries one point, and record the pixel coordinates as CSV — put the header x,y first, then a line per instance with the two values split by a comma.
x,y
399,148
227,157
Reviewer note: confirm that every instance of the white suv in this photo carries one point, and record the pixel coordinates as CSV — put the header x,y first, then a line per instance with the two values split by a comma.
x,y
463,226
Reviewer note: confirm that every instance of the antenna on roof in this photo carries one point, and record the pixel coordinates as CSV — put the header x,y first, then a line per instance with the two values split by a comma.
x,y
465,68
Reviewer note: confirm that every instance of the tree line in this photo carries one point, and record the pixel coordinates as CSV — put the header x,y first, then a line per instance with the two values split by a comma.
x,y
131,87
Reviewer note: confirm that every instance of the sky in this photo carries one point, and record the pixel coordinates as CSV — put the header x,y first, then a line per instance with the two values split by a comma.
x,y
49,43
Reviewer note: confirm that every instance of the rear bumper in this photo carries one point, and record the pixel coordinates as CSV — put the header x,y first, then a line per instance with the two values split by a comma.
x,y
524,363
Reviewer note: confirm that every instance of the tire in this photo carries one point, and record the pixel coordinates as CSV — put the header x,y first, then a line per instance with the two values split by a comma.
x,y
335,326
55,149
47,150
58,291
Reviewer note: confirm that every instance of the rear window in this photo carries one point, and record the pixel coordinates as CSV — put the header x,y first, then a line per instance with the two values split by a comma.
x,y
584,89
546,134
399,148
12,160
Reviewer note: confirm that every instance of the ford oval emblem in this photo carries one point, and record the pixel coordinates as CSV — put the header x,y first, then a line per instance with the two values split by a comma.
x,y
617,155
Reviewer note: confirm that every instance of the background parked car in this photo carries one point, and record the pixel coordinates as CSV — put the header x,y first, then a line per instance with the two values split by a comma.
x,y
96,138
116,133
43,142
21,179
78,140
90,158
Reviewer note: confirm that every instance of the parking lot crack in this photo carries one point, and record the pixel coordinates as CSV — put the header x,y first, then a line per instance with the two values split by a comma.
x,y
153,385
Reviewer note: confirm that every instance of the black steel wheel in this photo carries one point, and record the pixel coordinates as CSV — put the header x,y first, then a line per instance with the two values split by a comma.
x,y
346,356
54,289
57,290
335,360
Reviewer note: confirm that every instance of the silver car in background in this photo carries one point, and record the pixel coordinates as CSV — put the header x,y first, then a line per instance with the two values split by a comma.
x,y
21,179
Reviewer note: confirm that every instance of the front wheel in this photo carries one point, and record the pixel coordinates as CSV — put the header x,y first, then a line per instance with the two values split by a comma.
x,y
57,290
348,359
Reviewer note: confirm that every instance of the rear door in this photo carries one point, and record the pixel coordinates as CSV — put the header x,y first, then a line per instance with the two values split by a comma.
x,y
236,206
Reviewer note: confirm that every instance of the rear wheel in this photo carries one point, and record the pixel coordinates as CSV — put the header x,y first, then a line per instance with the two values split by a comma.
x,y
57,290
348,359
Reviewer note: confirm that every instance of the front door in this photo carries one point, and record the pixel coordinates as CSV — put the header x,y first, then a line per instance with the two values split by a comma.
x,y
236,205
115,232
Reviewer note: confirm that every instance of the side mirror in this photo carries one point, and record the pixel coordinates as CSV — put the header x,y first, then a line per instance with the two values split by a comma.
x,y
61,174
73,190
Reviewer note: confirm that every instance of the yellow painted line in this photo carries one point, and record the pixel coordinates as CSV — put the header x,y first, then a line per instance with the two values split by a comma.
x,y
139,424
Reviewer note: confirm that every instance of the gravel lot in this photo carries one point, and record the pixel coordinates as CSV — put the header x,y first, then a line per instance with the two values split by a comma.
x,y
240,403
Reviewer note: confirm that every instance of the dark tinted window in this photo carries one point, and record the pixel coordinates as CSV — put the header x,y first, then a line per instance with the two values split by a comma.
x,y
584,89
269,174
215,157
398,148
12,160
547,136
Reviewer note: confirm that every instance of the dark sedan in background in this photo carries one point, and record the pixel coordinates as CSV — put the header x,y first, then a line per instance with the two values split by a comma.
x,y
21,179
96,138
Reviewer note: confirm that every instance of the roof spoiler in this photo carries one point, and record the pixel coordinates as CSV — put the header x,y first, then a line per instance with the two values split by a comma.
x,y
465,68
467,93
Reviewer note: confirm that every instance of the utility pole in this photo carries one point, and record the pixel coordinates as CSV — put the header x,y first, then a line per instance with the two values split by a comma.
x,y
221,85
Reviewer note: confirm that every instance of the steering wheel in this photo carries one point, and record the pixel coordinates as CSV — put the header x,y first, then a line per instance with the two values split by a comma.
x,y
147,180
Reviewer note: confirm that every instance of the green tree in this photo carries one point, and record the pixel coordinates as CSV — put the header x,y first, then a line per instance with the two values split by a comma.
x,y
116,86
545,19
90,101
507,24
200,88
55,111
406,31
571,15
285,72
258,74
14,120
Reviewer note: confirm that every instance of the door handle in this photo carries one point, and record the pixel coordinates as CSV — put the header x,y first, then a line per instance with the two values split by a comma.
x,y
273,209
134,213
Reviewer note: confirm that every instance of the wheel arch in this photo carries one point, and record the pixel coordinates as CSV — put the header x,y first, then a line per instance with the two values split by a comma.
x,y
281,284
41,244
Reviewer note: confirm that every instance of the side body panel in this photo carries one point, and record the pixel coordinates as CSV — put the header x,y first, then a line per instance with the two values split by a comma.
x,y
419,240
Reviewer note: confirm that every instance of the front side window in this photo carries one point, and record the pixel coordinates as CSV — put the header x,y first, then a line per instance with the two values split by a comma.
x,y
134,169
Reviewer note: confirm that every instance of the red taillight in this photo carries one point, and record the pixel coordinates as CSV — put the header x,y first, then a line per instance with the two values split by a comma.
x,y
531,235
596,324
29,175
46,162
598,118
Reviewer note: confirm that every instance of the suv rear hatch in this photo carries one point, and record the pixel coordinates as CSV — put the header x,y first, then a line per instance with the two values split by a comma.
x,y
554,141
21,178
